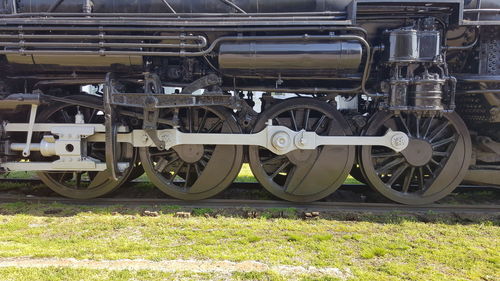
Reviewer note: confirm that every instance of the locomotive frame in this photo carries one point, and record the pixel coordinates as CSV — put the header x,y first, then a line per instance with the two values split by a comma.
x,y
421,79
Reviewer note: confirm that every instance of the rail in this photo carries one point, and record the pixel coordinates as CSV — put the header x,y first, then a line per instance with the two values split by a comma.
x,y
265,204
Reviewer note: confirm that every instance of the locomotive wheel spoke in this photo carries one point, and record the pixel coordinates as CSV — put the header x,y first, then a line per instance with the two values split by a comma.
x,y
438,131
294,122
428,126
203,121
408,179
385,154
397,174
384,169
307,112
194,172
83,184
279,169
319,123
433,164
417,125
303,175
405,126
443,142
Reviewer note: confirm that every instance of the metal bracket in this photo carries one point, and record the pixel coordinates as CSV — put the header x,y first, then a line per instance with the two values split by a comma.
x,y
111,127
202,83
151,112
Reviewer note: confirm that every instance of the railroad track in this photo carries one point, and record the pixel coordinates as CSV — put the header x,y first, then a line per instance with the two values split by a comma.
x,y
249,185
121,199
262,204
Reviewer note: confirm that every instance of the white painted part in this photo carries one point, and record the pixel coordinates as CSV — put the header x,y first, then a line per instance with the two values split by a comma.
x,y
280,140
20,146
349,103
47,146
50,166
26,150
61,166
79,119
48,127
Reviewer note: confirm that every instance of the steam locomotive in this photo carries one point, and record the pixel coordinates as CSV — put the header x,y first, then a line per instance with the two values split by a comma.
x,y
403,95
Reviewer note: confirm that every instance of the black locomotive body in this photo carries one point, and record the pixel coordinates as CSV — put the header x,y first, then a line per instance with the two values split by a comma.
x,y
403,95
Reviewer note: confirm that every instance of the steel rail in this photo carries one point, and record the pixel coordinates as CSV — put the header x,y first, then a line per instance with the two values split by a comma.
x,y
256,185
263,204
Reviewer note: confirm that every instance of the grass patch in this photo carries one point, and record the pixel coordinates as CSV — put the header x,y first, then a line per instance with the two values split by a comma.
x,y
293,237
202,211
380,249
374,252
19,175
254,238
323,237
64,274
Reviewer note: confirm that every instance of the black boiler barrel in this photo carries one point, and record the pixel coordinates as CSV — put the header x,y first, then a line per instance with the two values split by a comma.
x,y
289,59
180,6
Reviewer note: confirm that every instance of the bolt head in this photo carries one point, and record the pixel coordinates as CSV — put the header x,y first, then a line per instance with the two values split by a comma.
x,y
281,140
399,141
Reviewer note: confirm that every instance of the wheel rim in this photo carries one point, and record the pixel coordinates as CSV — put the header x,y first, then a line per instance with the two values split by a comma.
x,y
194,172
303,175
84,184
433,164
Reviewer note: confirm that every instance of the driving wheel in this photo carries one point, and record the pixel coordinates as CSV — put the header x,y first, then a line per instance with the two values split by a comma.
x,y
84,184
303,175
434,163
194,172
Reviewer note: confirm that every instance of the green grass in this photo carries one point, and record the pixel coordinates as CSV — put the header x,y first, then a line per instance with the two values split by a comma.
x,y
388,249
19,175
64,274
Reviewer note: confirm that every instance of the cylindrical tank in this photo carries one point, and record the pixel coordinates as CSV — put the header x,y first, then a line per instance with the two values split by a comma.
x,y
426,93
290,59
180,6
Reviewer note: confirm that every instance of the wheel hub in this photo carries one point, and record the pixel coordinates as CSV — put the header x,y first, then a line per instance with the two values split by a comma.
x,y
190,153
418,153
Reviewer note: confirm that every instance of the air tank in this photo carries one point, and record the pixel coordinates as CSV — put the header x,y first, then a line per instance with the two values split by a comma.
x,y
290,59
